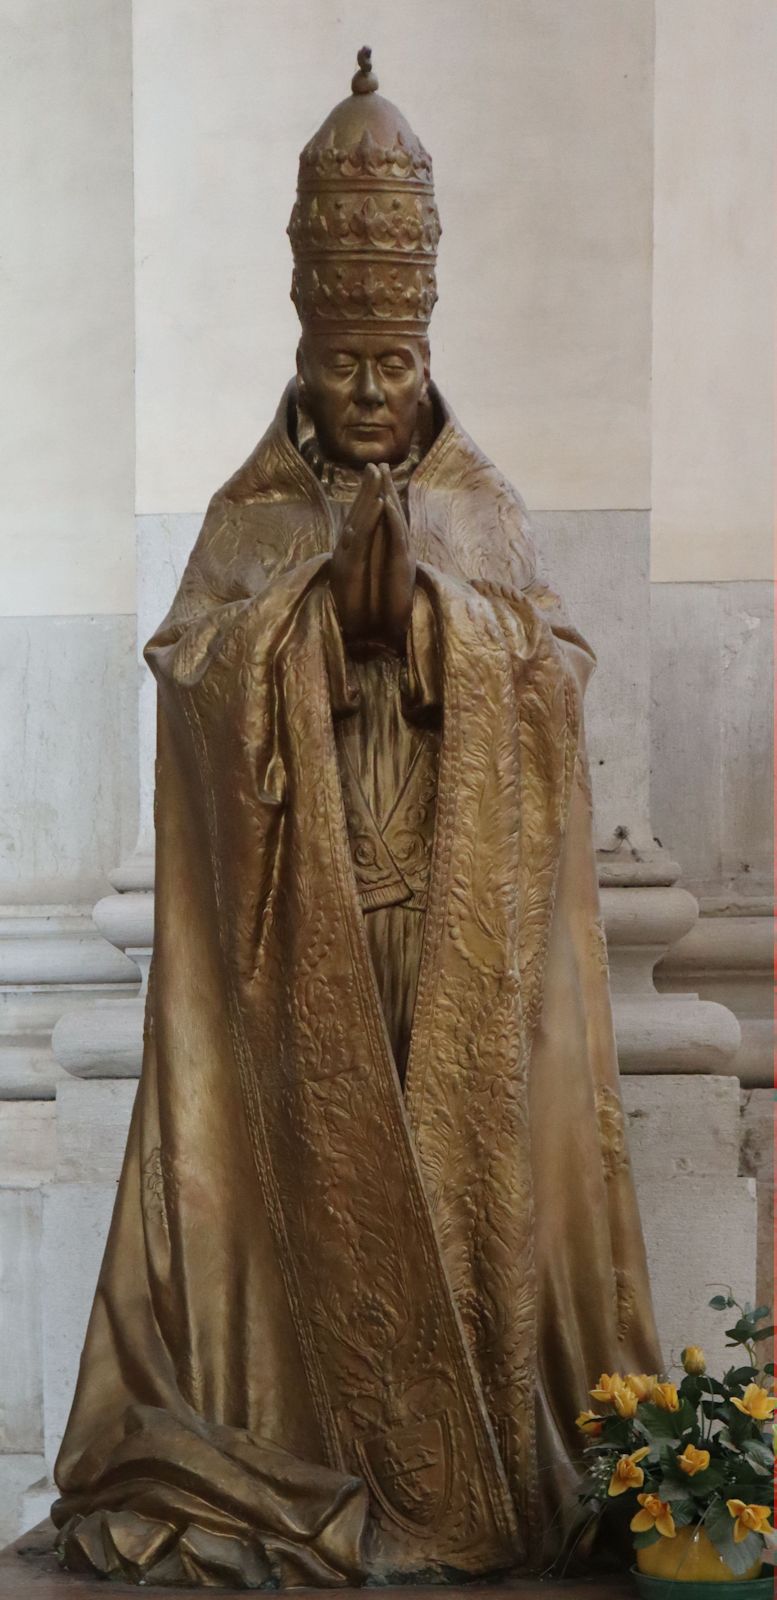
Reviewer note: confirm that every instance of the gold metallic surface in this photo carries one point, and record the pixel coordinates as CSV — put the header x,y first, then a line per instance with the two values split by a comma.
x,y
376,1226
364,230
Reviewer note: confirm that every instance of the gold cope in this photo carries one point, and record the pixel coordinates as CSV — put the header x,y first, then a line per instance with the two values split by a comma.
x,y
376,1225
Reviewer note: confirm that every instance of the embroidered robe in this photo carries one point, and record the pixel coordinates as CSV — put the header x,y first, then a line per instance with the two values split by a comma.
x,y
344,1322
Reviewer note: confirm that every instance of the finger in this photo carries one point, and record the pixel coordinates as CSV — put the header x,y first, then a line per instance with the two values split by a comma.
x,y
361,523
376,565
371,485
391,497
398,544
363,519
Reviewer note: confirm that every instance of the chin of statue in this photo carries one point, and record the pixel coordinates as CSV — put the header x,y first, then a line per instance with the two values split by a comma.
x,y
376,444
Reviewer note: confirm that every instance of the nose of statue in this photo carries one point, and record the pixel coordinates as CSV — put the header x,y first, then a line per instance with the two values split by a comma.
x,y
368,389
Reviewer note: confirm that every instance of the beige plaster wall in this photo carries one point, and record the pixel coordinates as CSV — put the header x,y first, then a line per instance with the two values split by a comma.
x,y
66,444
713,291
538,114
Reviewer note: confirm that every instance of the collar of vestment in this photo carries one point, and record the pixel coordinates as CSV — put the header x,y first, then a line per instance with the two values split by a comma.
x,y
464,517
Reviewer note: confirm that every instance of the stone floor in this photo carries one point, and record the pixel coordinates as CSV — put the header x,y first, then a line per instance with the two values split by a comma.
x,y
28,1571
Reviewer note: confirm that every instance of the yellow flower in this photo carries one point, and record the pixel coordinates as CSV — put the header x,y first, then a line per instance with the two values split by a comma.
x,y
607,1388
628,1474
665,1395
655,1514
748,1519
756,1403
640,1384
625,1402
694,1360
692,1460
588,1422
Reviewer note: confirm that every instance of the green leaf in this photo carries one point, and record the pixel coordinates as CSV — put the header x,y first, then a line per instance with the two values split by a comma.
x,y
672,1490
739,1376
741,1331
705,1483
684,1513
719,1523
716,1411
660,1424
769,1368
762,1333
744,1484
760,1453
740,1556
643,1540
721,1302
761,1312
619,1431
714,1386
740,1426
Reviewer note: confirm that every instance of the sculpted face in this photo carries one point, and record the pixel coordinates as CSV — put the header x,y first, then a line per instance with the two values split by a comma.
x,y
362,392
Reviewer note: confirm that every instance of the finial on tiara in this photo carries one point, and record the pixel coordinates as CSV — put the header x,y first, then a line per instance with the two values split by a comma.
x,y
364,81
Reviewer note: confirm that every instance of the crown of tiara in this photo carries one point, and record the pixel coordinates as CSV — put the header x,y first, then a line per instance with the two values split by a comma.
x,y
364,229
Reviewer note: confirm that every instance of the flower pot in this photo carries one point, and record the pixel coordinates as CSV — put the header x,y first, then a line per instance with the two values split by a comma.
x,y
678,1589
691,1559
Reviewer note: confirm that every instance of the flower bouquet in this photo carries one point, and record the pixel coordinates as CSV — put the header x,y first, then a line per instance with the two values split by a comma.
x,y
696,1461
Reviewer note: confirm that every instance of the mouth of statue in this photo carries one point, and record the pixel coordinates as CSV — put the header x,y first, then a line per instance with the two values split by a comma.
x,y
369,430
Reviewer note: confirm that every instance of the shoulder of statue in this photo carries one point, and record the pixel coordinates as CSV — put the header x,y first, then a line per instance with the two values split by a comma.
x,y
468,496
274,471
266,517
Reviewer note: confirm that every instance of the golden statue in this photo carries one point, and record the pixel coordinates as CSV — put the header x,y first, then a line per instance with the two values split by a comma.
x,y
376,1227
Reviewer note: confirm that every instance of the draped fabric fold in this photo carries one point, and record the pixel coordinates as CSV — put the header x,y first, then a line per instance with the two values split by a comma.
x,y
344,1321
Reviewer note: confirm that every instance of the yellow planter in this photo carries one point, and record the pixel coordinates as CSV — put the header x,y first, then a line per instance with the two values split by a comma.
x,y
690,1557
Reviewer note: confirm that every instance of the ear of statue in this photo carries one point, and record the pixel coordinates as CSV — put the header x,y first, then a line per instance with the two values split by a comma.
x,y
427,368
300,374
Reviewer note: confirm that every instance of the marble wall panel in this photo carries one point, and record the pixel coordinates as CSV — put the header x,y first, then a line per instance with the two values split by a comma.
x,y
682,1126
599,562
92,1125
21,1392
76,1220
690,1256
17,1472
28,1143
711,734
68,755
747,736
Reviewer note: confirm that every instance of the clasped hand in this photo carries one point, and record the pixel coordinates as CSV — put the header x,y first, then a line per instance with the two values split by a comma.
x,y
372,574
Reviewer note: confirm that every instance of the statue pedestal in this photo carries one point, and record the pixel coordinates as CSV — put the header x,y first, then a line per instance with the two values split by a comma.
x,y
29,1571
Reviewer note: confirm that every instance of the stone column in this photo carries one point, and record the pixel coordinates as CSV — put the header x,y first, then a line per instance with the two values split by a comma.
x,y
600,562
107,1041
91,1064
66,799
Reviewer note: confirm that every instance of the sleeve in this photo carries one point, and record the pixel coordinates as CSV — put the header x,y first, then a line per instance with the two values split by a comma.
x,y
420,673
